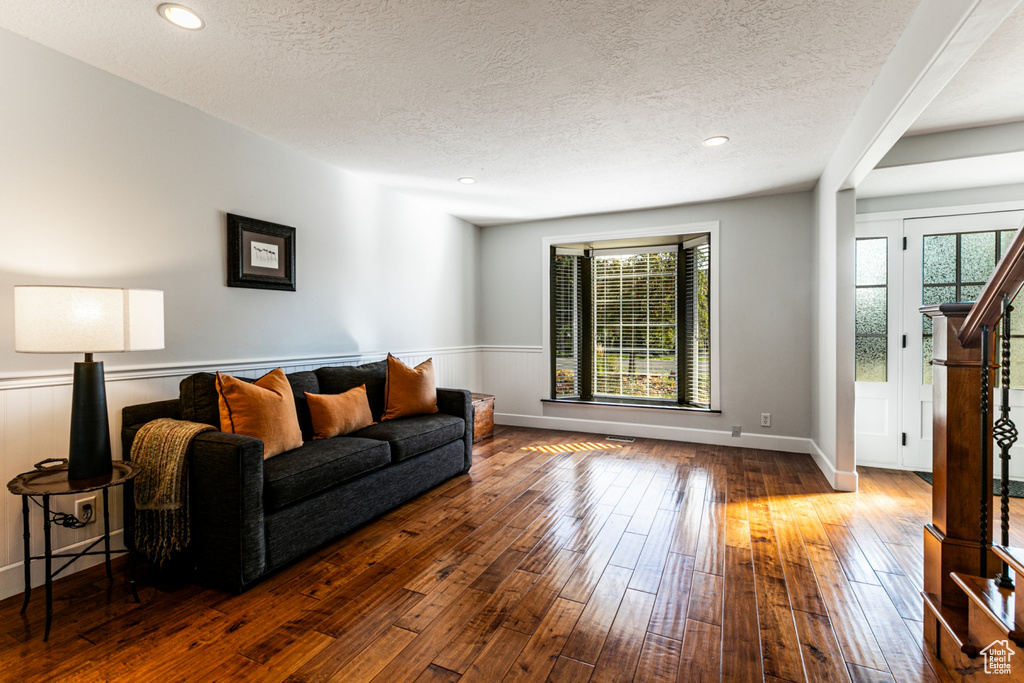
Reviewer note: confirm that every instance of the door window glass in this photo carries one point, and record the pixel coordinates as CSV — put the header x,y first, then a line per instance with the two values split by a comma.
x,y
954,268
872,324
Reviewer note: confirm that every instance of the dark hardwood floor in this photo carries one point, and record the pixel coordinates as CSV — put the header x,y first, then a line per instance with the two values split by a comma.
x,y
559,557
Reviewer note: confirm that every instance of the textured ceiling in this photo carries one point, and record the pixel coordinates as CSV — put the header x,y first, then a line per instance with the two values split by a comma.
x,y
558,108
989,89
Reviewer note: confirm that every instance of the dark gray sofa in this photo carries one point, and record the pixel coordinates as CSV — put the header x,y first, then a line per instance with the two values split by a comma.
x,y
251,516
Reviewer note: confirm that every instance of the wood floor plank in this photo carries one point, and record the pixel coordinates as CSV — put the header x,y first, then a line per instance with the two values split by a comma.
x,y
705,603
904,595
542,650
377,655
860,674
587,639
542,594
594,560
701,658
651,564
570,671
855,564
621,652
459,654
672,604
416,656
850,624
823,659
659,659
496,659
710,555
903,650
436,674
780,646
741,646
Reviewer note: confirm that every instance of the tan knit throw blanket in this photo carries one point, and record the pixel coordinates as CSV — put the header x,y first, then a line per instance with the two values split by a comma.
x,y
161,489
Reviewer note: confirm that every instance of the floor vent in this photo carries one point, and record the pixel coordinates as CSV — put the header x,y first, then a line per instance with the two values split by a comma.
x,y
619,438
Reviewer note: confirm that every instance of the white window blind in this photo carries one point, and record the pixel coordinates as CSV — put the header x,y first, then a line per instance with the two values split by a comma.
x,y
696,325
635,324
568,304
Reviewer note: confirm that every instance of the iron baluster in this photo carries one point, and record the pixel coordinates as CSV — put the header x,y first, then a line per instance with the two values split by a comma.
x,y
986,455
1005,433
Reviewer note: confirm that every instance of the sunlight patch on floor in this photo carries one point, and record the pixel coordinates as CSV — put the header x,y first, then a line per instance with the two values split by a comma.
x,y
572,447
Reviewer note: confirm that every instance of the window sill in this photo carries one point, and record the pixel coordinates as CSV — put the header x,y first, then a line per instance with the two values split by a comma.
x,y
632,404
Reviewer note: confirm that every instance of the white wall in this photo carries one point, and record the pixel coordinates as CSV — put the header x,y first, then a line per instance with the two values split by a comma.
x,y
105,183
948,198
765,311
832,402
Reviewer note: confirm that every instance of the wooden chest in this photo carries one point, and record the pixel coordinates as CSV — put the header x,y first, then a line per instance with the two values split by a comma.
x,y
483,416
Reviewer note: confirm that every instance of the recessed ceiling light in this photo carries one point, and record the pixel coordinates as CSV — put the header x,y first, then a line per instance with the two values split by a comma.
x,y
716,141
466,180
181,16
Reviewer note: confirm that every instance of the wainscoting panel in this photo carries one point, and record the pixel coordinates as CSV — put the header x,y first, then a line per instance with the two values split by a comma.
x,y
516,376
35,418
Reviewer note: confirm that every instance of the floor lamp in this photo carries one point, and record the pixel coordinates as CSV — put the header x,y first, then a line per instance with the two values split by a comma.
x,y
54,319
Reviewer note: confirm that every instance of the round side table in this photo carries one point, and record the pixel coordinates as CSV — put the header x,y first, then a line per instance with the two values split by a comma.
x,y
43,483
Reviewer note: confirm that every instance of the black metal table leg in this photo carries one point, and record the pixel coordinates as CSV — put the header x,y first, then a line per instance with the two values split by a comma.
x,y
46,554
106,535
28,554
131,573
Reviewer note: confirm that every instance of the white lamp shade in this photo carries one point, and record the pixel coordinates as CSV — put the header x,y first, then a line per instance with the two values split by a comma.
x,y
51,319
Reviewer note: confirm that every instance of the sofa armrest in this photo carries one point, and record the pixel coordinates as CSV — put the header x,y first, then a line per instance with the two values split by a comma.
x,y
147,412
225,499
226,508
459,402
132,419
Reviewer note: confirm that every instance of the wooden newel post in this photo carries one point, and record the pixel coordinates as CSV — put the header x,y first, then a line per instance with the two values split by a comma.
x,y
952,542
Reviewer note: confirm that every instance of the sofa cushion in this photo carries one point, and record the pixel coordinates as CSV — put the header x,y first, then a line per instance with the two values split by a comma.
x,y
318,466
199,402
410,436
303,383
409,391
339,414
336,380
264,409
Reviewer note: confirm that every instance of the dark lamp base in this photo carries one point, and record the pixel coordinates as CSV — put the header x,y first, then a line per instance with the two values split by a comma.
x,y
89,452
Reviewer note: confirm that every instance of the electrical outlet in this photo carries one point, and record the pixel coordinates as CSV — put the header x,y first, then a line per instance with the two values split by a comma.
x,y
80,509
736,430
766,419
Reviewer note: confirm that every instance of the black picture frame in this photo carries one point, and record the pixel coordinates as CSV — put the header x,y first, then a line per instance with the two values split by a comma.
x,y
261,255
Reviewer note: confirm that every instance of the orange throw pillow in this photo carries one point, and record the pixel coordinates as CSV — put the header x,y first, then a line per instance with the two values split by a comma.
x,y
339,414
409,391
264,410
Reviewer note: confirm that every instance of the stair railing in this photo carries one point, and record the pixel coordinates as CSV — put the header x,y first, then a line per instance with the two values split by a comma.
x,y
1005,433
993,306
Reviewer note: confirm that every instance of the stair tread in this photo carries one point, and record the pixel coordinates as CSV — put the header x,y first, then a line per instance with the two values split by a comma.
x,y
995,601
954,621
1011,556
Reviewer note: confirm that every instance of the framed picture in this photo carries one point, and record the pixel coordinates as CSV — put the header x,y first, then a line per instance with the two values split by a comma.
x,y
261,255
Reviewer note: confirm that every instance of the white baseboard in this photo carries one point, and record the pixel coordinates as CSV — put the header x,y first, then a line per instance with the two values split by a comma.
x,y
12,576
769,442
840,480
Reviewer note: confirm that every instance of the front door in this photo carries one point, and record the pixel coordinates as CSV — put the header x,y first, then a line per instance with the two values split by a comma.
x,y
947,259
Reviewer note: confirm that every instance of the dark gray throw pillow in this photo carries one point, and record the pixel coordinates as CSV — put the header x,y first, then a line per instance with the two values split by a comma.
x,y
340,379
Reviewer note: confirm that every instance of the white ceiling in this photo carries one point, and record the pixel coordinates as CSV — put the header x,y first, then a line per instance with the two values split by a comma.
x,y
558,108
988,90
